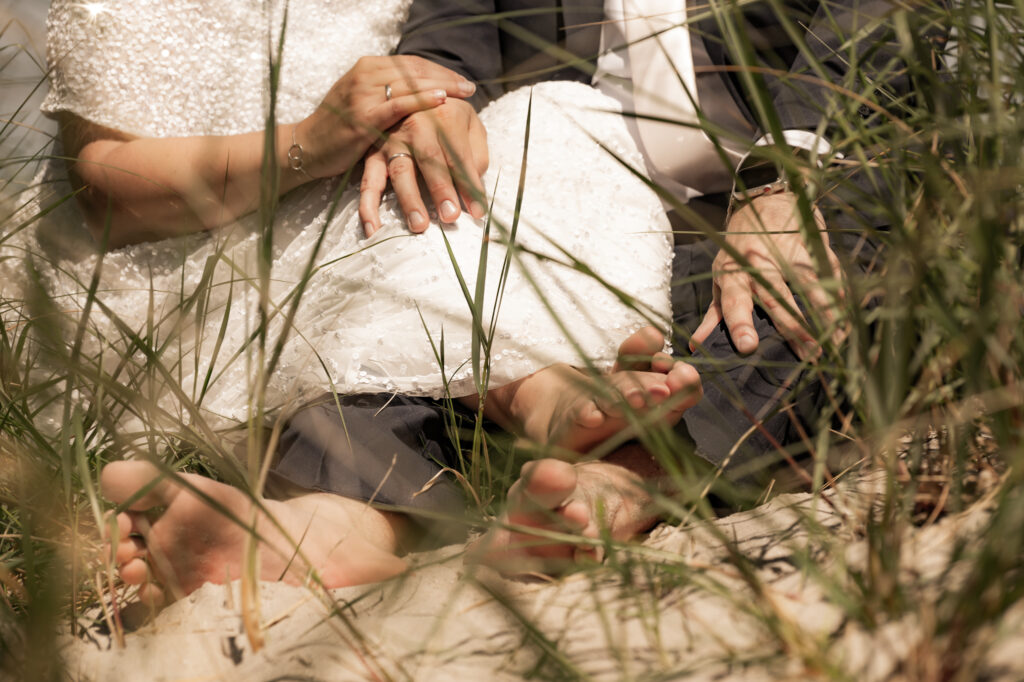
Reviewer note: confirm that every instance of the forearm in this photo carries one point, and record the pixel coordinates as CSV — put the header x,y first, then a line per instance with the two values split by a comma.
x,y
151,188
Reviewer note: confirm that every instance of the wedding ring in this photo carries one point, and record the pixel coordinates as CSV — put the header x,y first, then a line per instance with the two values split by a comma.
x,y
387,92
397,155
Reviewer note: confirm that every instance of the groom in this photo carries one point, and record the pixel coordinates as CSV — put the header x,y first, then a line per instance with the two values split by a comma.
x,y
762,95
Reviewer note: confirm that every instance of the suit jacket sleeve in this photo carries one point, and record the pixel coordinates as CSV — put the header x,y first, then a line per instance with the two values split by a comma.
x,y
863,28
831,31
834,34
835,26
460,35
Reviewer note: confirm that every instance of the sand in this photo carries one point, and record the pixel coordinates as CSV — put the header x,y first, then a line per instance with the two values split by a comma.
x,y
691,613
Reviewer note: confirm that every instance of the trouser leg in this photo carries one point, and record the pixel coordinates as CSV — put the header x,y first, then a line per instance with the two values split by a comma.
x,y
390,451
756,408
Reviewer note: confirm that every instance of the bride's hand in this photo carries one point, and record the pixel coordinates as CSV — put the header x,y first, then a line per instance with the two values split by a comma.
x,y
373,96
448,146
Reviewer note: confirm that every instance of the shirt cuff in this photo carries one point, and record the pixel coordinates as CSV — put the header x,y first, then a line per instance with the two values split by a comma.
x,y
817,145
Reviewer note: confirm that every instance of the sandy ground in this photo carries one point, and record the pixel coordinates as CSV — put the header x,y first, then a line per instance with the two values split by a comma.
x,y
689,614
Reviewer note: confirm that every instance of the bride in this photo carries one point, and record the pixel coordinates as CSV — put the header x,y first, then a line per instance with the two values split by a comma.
x,y
164,109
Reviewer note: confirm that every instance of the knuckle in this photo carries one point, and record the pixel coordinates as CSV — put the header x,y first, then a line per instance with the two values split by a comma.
x,y
445,114
412,65
438,187
414,123
403,164
459,159
432,155
736,301
410,202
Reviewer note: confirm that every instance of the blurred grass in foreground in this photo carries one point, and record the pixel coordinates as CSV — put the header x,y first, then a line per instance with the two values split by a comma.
x,y
927,387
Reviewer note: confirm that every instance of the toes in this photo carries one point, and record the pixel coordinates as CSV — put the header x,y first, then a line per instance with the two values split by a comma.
x,y
577,516
536,501
590,416
636,351
662,363
640,389
152,594
135,571
684,380
543,484
122,481
129,548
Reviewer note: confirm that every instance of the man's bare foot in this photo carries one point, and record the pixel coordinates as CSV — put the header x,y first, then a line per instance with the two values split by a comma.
x,y
582,499
561,406
191,542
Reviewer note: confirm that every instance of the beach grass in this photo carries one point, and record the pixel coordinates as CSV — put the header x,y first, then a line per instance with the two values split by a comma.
x,y
922,421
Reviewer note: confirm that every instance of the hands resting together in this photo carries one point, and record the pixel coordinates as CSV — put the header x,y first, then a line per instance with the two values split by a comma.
x,y
448,145
397,111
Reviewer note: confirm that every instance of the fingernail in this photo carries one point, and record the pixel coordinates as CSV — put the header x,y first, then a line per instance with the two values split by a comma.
x,y
477,209
746,342
368,228
467,87
416,219
448,211
440,95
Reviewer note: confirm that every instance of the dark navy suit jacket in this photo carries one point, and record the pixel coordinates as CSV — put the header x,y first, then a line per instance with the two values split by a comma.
x,y
502,44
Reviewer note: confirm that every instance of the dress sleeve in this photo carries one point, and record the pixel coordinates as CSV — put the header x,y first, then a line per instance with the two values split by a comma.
x,y
84,45
158,69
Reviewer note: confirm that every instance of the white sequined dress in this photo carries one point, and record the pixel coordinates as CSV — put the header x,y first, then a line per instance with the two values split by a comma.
x,y
382,314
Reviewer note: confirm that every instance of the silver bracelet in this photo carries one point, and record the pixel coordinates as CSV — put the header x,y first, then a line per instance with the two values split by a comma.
x,y
295,161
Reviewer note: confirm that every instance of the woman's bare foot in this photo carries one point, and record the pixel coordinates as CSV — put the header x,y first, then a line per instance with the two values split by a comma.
x,y
561,406
582,499
191,541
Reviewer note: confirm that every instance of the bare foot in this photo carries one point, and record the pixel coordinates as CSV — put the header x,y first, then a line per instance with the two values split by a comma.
x,y
561,406
581,499
192,542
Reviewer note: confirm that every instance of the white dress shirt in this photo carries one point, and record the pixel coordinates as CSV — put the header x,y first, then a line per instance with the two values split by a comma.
x,y
647,63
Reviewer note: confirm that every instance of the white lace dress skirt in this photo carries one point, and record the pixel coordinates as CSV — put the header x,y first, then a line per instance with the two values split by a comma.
x,y
589,235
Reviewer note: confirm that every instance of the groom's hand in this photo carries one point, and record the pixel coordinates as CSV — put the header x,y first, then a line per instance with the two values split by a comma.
x,y
447,145
766,234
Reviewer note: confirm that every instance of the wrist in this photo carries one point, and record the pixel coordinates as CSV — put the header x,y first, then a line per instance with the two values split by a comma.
x,y
296,161
763,214
772,169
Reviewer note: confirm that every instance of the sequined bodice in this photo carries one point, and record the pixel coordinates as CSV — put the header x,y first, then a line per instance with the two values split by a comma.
x,y
166,68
